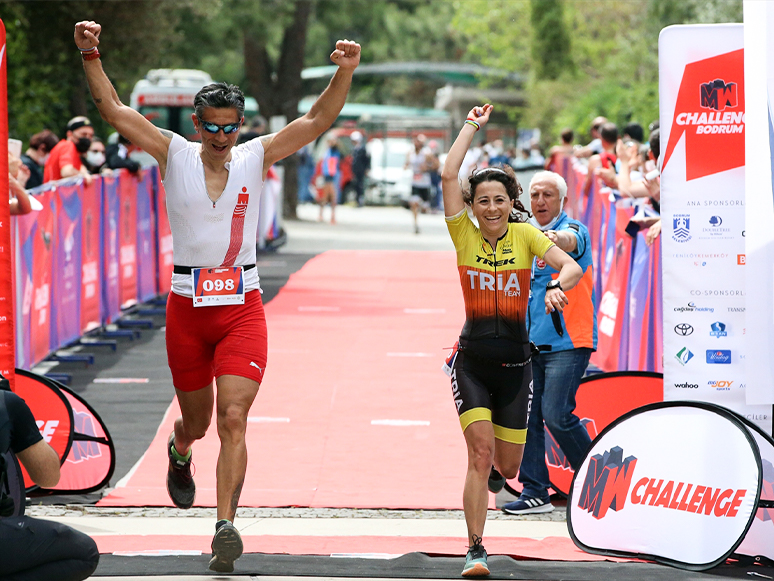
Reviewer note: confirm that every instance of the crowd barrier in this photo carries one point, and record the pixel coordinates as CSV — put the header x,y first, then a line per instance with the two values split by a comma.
x,y
89,254
627,279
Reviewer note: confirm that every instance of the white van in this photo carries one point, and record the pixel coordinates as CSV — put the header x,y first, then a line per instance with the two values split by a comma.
x,y
165,97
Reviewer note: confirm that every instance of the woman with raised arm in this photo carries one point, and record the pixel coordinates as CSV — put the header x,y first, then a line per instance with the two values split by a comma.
x,y
490,370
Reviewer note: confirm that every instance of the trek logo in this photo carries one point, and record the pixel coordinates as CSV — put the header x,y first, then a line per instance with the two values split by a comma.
x,y
609,479
718,95
486,281
554,455
607,482
709,111
504,262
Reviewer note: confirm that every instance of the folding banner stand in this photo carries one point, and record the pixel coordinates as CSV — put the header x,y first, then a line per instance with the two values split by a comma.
x,y
74,430
601,398
675,482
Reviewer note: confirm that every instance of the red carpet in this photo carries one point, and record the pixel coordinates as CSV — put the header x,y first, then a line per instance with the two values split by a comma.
x,y
550,548
354,410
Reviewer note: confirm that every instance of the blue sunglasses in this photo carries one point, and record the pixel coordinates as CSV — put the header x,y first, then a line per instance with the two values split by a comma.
x,y
214,127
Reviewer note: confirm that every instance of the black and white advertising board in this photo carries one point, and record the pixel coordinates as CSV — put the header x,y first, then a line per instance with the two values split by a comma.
x,y
676,482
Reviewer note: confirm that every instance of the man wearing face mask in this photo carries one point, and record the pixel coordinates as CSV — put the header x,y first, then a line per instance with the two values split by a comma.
x,y
565,340
65,159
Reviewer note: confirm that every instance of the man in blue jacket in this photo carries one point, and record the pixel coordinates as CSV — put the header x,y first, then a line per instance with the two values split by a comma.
x,y
565,340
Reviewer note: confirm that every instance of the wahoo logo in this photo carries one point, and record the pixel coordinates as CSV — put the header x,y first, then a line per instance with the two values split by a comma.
x,y
718,95
713,124
554,455
607,482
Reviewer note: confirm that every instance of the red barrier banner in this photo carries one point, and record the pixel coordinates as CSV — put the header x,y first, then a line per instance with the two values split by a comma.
x,y
7,339
613,311
111,286
66,295
164,240
127,235
91,275
53,414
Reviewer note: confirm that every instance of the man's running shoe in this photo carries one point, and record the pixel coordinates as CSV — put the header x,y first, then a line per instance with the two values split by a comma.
x,y
226,548
526,505
475,560
496,481
180,484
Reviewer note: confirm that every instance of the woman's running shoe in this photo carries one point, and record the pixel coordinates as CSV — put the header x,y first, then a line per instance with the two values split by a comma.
x,y
475,560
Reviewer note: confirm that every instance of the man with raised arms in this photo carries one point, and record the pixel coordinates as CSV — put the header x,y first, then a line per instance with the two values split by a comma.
x,y
215,321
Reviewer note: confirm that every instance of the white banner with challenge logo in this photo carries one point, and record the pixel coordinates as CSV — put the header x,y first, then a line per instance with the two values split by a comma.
x,y
677,482
702,104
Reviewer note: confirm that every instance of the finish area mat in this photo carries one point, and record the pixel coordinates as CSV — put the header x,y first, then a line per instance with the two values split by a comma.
x,y
354,410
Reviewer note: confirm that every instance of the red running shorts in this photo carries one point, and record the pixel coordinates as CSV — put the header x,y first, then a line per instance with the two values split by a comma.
x,y
207,342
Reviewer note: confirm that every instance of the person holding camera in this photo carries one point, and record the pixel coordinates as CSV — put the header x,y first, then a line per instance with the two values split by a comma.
x,y
32,549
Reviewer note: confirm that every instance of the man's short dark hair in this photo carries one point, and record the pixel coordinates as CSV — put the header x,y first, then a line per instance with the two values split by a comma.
x,y
608,132
567,135
46,138
219,96
635,131
655,142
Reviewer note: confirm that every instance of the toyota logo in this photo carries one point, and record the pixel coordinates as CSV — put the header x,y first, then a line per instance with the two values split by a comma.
x,y
683,329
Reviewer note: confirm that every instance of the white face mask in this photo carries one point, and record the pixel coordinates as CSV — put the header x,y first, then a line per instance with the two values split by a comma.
x,y
95,158
548,226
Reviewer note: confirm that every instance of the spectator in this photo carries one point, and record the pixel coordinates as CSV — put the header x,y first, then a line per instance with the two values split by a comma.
x,y
117,155
331,167
421,162
94,159
436,196
35,549
361,164
498,156
257,129
36,155
305,173
594,147
18,175
634,132
65,159
603,164
564,149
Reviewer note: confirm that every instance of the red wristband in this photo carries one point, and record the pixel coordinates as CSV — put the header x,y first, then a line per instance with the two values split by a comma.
x,y
90,56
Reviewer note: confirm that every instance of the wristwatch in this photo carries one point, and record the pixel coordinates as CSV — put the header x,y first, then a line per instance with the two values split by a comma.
x,y
554,284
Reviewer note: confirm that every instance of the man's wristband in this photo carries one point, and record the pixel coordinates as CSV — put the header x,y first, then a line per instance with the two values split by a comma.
x,y
89,55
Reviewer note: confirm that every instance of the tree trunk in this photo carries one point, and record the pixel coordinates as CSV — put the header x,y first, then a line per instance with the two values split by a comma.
x,y
280,95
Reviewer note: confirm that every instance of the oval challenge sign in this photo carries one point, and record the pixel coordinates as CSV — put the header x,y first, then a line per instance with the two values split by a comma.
x,y
678,482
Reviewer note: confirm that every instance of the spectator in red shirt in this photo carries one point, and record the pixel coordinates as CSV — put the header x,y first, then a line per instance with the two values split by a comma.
x,y
65,159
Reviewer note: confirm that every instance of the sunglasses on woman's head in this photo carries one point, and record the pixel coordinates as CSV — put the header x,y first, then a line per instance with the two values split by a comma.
x,y
214,127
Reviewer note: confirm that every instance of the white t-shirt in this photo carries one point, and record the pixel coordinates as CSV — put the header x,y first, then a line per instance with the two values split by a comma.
x,y
207,233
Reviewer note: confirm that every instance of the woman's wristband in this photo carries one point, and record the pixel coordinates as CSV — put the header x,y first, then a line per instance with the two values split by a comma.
x,y
473,123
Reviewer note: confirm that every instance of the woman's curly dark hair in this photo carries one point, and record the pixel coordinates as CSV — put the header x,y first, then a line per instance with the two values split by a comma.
x,y
506,176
